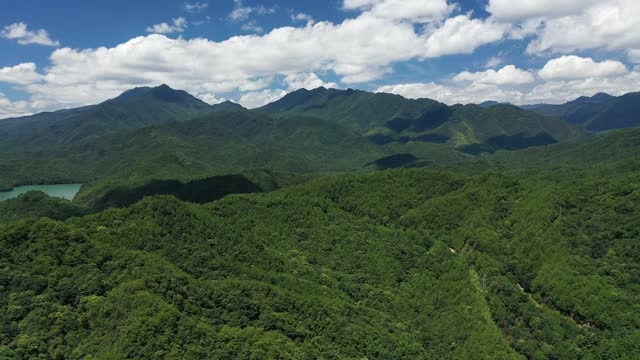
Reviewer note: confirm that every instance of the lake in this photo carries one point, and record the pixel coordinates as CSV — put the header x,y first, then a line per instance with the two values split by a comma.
x,y
65,191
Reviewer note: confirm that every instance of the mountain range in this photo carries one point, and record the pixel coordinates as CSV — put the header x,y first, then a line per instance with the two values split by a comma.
x,y
161,131
600,112
330,224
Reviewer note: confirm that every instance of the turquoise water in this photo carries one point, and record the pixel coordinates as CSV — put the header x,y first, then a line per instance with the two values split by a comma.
x,y
65,191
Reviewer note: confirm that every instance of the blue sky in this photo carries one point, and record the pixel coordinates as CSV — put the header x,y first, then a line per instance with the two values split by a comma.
x,y
69,53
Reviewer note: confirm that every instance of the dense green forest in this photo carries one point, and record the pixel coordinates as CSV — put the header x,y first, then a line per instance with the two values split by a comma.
x,y
327,225
394,264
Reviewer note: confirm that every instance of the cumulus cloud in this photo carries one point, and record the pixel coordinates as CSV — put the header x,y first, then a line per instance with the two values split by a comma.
x,y
9,109
566,90
574,67
20,32
21,74
211,98
357,50
508,75
178,24
241,12
520,9
462,35
306,81
564,26
255,99
195,7
557,84
416,10
634,55
452,94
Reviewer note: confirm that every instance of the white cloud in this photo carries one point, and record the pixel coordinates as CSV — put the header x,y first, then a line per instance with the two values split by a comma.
x,y
302,17
415,10
178,24
562,91
255,99
462,35
195,7
483,86
359,4
634,55
493,62
357,50
449,94
211,98
20,32
241,12
306,81
21,74
508,75
10,109
519,9
564,26
575,67
252,26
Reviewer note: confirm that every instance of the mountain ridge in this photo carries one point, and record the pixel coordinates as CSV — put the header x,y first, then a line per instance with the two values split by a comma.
x,y
601,112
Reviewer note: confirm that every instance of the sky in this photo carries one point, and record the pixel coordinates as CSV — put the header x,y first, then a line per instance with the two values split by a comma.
x,y
69,53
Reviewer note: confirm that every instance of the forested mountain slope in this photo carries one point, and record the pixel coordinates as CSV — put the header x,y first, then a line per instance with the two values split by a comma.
x,y
387,118
135,108
162,133
605,148
222,141
395,264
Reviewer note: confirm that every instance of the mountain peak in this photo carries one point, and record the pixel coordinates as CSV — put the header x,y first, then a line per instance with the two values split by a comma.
x,y
163,93
227,105
597,98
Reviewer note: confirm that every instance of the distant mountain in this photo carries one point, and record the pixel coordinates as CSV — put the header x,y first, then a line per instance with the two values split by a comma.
x,y
387,118
360,110
492,103
133,109
227,105
600,112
